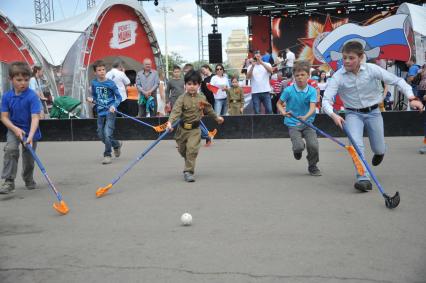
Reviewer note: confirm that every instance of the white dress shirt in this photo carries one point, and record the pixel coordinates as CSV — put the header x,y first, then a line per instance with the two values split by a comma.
x,y
360,90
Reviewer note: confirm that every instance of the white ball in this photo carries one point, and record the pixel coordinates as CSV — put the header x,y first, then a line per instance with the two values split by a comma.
x,y
186,219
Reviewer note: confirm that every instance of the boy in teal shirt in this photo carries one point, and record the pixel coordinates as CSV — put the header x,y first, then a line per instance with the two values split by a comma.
x,y
299,100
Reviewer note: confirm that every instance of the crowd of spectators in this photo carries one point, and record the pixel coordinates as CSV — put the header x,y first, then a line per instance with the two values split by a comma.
x,y
262,79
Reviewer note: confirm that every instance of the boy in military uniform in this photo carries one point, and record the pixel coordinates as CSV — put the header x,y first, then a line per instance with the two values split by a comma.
x,y
235,98
189,109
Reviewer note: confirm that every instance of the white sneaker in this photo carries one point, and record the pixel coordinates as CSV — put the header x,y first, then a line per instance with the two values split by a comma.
x,y
422,150
107,160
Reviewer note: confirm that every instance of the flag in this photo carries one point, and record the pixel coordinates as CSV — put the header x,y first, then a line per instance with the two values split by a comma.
x,y
386,39
212,88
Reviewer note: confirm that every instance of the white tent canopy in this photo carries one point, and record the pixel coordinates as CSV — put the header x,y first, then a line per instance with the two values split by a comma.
x,y
55,45
418,16
69,46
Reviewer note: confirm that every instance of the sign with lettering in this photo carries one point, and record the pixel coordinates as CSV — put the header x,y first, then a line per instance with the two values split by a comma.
x,y
123,34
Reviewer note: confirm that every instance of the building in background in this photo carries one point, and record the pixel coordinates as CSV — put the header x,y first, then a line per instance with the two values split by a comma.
x,y
236,50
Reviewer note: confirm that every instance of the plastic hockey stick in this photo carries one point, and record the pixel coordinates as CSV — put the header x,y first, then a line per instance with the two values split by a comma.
x,y
158,129
390,202
60,206
103,190
211,134
349,148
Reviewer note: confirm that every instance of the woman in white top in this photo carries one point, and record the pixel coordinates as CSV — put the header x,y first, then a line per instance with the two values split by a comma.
x,y
322,85
281,63
220,81
36,85
322,82
161,95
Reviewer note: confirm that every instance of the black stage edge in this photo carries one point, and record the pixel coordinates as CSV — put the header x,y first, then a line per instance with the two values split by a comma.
x,y
407,123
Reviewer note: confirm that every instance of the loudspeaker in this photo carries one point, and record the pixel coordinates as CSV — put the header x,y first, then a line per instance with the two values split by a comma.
x,y
215,48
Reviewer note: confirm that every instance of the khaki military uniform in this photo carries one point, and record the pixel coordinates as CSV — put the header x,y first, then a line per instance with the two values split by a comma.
x,y
190,110
235,100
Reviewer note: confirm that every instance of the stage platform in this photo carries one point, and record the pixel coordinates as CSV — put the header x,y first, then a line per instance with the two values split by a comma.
x,y
407,123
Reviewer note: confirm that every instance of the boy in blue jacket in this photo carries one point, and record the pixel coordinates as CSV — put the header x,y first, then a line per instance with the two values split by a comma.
x,y
20,109
107,98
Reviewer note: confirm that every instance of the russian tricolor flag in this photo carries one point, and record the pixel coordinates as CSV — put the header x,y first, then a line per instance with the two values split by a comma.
x,y
386,39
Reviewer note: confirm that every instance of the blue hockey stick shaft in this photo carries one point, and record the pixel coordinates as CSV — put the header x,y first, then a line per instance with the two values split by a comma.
x,y
143,154
125,115
358,150
43,171
320,131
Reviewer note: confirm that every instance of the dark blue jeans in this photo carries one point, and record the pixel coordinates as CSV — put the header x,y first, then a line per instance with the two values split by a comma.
x,y
262,97
106,126
204,131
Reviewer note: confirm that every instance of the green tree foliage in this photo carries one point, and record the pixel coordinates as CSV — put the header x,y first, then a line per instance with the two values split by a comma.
x,y
174,59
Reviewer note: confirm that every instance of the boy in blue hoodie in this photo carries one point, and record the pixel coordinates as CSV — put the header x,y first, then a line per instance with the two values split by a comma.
x,y
20,109
107,98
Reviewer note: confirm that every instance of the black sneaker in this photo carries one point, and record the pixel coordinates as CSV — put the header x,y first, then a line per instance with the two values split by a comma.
x,y
189,177
314,171
297,155
377,159
7,187
363,185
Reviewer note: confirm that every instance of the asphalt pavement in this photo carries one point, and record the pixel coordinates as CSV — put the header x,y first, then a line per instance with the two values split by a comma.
x,y
258,216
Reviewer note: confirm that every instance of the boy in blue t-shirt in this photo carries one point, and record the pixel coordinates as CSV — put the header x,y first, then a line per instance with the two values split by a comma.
x,y
413,69
300,99
107,97
20,114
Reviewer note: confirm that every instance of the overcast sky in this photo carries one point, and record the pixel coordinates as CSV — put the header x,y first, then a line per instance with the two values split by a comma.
x,y
181,25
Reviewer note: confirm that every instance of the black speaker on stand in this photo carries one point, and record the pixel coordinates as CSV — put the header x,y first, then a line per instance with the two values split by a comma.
x,y
215,48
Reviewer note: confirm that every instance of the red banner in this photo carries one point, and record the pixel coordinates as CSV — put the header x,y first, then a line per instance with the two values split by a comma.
x,y
120,33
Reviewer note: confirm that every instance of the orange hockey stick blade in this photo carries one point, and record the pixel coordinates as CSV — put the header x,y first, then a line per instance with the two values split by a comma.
x,y
355,159
103,190
61,207
213,133
160,128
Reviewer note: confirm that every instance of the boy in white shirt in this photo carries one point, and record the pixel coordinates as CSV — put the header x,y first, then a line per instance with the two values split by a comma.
x,y
356,83
117,75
